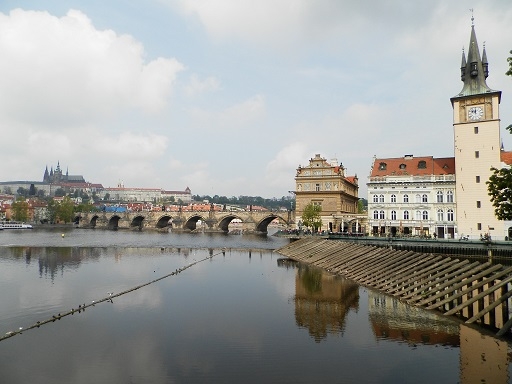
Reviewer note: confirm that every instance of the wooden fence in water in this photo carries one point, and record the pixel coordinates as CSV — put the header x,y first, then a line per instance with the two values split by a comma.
x,y
478,292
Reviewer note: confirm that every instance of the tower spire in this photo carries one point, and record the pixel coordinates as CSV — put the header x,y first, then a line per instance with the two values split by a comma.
x,y
475,69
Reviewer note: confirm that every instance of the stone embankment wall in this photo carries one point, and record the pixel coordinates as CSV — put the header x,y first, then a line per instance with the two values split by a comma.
x,y
474,291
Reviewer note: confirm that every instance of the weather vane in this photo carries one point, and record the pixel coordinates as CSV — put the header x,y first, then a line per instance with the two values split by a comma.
x,y
472,18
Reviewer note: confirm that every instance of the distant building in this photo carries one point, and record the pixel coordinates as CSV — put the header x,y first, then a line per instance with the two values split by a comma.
x,y
325,184
57,177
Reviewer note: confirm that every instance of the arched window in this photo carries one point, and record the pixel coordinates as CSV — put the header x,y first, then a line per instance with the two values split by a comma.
x,y
381,215
440,215
418,215
422,164
393,215
424,198
375,198
406,198
417,198
376,215
382,166
425,215
450,215
381,198
439,196
406,215
449,197
393,198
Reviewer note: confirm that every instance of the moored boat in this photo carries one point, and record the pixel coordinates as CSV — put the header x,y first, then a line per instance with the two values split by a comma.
x,y
13,225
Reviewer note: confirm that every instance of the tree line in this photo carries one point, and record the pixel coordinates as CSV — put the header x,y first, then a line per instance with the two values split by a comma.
x,y
286,202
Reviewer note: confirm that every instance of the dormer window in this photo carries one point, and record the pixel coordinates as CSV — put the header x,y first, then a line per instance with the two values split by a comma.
x,y
403,166
382,166
422,164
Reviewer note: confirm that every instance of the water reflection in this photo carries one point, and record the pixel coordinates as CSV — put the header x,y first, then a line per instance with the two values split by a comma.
x,y
392,319
322,300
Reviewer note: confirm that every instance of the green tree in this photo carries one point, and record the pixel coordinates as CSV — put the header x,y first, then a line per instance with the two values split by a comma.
x,y
509,72
52,210
22,191
500,181
499,189
20,209
311,216
65,211
59,192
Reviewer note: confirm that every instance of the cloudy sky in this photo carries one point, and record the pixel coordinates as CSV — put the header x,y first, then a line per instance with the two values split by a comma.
x,y
228,97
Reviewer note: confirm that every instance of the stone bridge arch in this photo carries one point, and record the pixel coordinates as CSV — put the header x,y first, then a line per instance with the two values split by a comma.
x,y
113,222
224,222
262,225
191,222
164,221
137,222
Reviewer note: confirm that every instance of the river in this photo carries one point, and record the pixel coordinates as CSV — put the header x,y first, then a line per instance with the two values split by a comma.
x,y
235,313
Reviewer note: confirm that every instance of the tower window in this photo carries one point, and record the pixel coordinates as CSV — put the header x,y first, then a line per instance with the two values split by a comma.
x,y
477,154
477,179
476,130
478,204
479,226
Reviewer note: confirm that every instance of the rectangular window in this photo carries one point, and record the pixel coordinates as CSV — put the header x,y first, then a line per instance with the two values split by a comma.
x,y
477,179
478,204
477,154
479,226
317,187
476,130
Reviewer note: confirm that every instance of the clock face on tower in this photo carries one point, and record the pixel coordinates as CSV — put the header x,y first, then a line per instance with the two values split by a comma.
x,y
475,113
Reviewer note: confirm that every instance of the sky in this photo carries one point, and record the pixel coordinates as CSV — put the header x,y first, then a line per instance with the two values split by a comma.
x,y
229,97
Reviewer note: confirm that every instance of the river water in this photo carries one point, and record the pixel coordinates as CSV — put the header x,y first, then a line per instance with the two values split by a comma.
x,y
236,313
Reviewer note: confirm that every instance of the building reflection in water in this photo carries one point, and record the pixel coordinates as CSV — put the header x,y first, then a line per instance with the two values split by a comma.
x,y
392,319
322,300
483,358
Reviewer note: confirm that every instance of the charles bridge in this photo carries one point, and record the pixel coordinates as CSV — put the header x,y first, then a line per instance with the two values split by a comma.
x,y
186,221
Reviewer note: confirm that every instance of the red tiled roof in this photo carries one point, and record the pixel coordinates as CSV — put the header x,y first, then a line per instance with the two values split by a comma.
x,y
433,166
506,157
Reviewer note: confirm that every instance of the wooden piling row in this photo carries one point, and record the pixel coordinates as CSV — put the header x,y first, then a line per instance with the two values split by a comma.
x,y
477,292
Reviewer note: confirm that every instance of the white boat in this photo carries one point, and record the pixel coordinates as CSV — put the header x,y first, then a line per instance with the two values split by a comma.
x,y
7,225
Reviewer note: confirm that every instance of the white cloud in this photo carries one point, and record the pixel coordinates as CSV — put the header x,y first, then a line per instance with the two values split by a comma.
x,y
56,70
198,86
235,116
130,145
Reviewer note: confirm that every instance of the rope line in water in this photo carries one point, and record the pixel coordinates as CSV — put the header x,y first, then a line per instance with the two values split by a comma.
x,y
111,295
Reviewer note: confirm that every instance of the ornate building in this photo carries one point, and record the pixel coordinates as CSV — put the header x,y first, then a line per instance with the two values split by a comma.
x,y
325,184
57,177
412,196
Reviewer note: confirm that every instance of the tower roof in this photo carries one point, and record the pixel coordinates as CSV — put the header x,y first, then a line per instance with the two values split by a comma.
x,y
474,70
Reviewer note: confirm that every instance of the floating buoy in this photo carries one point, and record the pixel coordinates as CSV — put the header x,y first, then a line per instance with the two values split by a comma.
x,y
62,235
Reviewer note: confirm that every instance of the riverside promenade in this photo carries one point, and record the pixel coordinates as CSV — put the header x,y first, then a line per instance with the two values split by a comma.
x,y
478,292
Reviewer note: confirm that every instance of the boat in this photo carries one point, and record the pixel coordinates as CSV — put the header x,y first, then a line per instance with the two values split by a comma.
x,y
12,225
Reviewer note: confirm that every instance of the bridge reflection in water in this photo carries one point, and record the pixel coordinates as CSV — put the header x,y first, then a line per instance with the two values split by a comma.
x,y
323,301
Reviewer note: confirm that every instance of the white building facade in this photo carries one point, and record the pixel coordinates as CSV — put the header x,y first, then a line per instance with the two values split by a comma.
x,y
412,196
